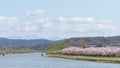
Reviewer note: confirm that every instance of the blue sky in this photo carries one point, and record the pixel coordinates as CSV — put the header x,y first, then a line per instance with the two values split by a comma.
x,y
59,19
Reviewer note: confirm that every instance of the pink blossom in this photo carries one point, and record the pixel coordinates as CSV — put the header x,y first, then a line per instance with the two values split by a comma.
x,y
93,51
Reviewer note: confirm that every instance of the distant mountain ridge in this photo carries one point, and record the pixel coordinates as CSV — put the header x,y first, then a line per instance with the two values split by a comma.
x,y
36,43
24,43
115,40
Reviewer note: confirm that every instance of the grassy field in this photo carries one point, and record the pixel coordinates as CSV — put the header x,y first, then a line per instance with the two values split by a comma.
x,y
88,58
57,47
18,50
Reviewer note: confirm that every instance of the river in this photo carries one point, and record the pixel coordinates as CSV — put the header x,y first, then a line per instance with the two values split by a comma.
x,y
35,60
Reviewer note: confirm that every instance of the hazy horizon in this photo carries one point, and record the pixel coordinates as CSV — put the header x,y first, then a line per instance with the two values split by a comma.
x,y
55,39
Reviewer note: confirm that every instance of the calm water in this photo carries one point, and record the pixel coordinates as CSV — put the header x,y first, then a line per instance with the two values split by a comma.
x,y
37,61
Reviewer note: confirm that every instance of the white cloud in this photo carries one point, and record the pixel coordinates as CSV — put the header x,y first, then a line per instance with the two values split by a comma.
x,y
2,18
35,12
13,24
75,26
48,28
30,28
8,20
8,24
61,19
105,27
42,20
75,19
47,25
14,18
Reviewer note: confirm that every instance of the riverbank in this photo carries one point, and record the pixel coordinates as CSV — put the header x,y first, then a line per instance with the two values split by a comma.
x,y
88,58
18,51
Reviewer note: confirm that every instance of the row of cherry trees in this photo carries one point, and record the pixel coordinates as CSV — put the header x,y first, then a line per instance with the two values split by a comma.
x,y
92,51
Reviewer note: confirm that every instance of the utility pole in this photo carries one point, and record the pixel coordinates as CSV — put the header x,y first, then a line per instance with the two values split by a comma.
x,y
42,51
3,50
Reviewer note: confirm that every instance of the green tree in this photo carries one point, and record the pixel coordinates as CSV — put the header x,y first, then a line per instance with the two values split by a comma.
x,y
79,43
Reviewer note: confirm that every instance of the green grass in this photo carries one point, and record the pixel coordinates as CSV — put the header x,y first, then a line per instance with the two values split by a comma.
x,y
57,47
18,50
21,50
0,51
88,58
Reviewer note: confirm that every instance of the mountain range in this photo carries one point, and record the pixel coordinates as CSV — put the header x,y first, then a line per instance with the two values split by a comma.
x,y
36,43
25,43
